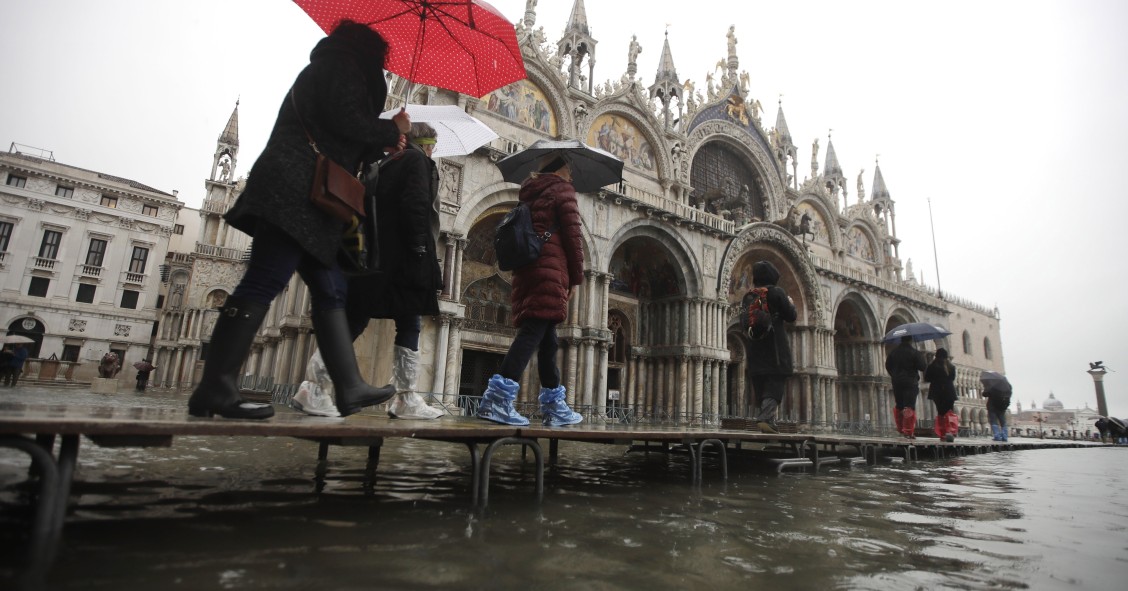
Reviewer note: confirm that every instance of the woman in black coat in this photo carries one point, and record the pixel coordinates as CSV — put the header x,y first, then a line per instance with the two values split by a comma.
x,y
407,221
941,378
337,100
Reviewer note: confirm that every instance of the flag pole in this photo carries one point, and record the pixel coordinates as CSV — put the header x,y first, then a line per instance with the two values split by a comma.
x,y
935,259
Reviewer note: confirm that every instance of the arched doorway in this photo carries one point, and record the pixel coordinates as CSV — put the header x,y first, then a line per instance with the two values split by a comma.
x,y
31,328
860,371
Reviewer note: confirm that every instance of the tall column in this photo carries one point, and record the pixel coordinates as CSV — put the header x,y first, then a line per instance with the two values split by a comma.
x,y
589,371
449,248
453,343
456,292
600,394
1098,372
438,383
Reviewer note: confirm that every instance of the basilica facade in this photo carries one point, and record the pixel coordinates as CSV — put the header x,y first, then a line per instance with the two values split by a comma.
x,y
709,187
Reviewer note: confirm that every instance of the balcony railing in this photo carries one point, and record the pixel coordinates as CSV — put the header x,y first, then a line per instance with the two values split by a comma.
x,y
892,287
210,250
90,270
138,278
671,207
43,263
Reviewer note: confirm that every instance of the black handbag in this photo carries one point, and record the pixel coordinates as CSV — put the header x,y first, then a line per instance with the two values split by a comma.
x,y
360,250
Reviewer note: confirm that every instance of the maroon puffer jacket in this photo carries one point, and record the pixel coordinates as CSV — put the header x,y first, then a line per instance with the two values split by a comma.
x,y
540,289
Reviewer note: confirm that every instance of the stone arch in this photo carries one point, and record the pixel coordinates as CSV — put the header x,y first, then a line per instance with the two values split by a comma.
x,y
494,200
658,154
500,102
808,297
834,238
741,140
859,362
488,305
31,326
674,244
853,245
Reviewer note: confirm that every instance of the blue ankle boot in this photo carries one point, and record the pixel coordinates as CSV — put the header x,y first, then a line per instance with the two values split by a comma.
x,y
556,411
497,402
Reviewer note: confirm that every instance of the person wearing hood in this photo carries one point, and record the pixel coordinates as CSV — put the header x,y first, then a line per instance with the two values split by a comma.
x,y
941,378
540,296
904,364
337,100
769,358
407,218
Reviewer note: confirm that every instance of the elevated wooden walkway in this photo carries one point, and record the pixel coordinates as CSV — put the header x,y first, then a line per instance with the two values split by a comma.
x,y
35,428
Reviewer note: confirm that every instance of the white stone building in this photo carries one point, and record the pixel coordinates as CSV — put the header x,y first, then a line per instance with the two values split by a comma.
x,y
80,255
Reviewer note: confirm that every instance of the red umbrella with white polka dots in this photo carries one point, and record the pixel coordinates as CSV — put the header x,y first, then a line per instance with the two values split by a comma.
x,y
462,45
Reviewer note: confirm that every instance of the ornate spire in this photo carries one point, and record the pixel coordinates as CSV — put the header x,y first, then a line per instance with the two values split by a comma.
x,y
878,192
831,167
785,146
666,83
227,150
230,133
578,43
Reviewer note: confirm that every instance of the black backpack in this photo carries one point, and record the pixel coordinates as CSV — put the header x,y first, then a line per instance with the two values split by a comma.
x,y
516,243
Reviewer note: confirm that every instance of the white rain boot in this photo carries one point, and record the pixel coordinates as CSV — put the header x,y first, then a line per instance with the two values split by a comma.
x,y
315,395
407,404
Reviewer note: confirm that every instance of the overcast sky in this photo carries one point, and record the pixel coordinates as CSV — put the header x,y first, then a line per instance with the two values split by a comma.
x,y
1010,116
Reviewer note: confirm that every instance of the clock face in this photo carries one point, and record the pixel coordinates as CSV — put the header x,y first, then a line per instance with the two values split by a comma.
x,y
28,323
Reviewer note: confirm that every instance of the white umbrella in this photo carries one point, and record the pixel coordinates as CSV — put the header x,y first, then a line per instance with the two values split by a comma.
x,y
459,133
13,339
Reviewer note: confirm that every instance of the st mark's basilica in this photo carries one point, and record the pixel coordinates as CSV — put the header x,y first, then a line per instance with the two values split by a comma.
x,y
710,186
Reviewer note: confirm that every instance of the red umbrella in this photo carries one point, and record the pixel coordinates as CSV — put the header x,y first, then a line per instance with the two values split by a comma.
x,y
462,45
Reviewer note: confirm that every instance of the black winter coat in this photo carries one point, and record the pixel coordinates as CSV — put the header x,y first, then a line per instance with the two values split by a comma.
x,y
340,97
407,222
771,355
904,365
540,289
941,384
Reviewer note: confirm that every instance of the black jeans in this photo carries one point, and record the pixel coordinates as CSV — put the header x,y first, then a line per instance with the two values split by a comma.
x,y
906,396
539,335
274,258
407,330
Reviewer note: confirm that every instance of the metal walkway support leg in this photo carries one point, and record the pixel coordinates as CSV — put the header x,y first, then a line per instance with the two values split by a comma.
x,y
47,523
488,455
699,457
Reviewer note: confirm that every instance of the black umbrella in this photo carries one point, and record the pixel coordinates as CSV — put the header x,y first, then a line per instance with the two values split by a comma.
x,y
1117,426
920,331
592,168
993,380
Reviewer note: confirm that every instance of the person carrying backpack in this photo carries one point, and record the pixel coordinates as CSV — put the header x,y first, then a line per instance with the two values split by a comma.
x,y
541,290
769,351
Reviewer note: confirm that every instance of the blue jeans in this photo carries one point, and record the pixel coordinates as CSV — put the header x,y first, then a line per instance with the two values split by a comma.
x,y
539,335
274,258
995,417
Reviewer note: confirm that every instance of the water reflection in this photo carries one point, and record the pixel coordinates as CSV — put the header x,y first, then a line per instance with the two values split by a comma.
x,y
240,513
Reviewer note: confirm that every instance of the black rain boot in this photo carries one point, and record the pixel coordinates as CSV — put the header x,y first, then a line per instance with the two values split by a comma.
x,y
218,390
335,343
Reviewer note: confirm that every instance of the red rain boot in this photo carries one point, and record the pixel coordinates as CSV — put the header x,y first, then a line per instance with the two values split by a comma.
x,y
940,425
953,424
908,422
897,419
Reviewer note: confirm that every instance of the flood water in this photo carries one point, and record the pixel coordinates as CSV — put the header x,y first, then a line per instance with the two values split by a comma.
x,y
249,513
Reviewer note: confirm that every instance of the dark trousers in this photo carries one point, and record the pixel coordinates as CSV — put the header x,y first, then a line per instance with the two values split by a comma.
x,y
906,396
997,417
407,330
769,391
539,335
943,406
274,258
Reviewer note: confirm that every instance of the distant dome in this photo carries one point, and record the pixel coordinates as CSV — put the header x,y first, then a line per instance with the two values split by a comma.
x,y
1052,403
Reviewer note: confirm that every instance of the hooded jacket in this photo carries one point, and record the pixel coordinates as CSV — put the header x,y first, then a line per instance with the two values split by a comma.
x,y
339,96
941,378
772,354
406,221
904,364
540,289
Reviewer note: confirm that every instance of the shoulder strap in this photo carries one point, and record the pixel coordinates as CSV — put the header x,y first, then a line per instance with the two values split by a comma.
x,y
298,113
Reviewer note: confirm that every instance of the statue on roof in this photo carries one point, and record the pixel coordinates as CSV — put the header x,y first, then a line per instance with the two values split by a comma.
x,y
633,50
731,42
861,186
815,159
